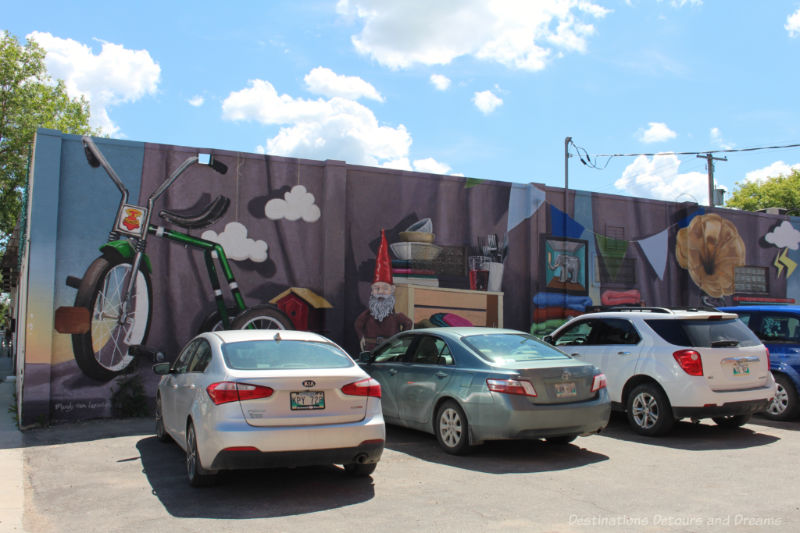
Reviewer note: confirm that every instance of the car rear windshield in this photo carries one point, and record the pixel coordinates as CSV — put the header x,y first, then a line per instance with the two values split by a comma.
x,y
704,333
511,347
286,354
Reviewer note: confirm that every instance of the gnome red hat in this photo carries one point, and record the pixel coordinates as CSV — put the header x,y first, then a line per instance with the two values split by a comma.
x,y
383,265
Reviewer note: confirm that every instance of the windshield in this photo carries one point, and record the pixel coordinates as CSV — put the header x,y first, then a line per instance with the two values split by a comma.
x,y
704,333
511,347
270,355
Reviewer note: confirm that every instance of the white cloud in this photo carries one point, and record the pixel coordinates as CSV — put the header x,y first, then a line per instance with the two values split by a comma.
x,y
442,83
784,236
793,24
656,132
487,101
778,168
326,82
114,76
296,204
196,101
521,35
430,165
660,178
236,243
716,138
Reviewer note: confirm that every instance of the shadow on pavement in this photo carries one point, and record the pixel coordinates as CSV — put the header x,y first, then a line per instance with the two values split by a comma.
x,y
496,457
788,425
686,435
243,494
73,432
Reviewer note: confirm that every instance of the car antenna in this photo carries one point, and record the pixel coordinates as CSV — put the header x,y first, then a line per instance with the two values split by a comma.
x,y
277,337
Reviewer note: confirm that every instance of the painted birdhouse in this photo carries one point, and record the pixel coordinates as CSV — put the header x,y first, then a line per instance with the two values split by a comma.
x,y
304,307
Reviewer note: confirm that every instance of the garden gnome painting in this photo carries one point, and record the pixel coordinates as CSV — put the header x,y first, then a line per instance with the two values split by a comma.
x,y
380,321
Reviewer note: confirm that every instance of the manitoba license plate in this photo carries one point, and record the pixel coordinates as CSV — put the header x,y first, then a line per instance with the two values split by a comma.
x,y
307,400
566,389
741,369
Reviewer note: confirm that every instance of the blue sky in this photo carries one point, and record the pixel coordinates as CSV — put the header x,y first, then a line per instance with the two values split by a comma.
x,y
486,89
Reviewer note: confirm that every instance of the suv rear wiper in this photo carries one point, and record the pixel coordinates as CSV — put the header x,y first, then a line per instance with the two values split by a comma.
x,y
724,343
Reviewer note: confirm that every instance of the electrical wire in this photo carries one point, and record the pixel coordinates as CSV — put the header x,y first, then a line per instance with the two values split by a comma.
x,y
586,158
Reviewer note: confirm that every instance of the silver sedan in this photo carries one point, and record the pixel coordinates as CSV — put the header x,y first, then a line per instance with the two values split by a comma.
x,y
469,385
267,398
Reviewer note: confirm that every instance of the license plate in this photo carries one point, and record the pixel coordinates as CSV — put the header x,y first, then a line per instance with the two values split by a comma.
x,y
741,369
304,400
566,389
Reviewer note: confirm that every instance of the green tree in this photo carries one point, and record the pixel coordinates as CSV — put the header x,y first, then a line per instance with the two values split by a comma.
x,y
779,191
29,99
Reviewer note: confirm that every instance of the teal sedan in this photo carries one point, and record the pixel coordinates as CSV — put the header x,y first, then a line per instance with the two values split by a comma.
x,y
470,385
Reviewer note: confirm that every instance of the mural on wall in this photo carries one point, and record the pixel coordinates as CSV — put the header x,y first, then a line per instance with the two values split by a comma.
x,y
285,242
710,248
380,321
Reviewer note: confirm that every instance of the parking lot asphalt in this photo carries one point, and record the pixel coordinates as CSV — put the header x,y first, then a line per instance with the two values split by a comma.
x,y
113,475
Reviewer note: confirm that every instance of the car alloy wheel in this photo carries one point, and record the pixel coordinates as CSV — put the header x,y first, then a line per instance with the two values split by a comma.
x,y
198,477
161,432
785,405
452,428
649,412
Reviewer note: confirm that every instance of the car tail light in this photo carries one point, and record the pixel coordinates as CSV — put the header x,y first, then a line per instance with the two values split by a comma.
x,y
599,382
769,363
231,391
511,386
690,362
365,387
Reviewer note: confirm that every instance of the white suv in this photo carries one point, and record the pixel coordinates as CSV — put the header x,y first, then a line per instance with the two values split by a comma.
x,y
666,364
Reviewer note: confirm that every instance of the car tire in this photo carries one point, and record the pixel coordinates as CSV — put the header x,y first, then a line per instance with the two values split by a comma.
x,y
161,432
785,405
452,428
732,421
560,440
360,470
198,476
649,411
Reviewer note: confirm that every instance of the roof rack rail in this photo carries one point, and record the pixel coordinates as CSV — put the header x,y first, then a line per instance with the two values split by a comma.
x,y
652,309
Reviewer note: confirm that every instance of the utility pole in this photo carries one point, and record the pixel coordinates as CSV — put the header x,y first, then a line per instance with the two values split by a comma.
x,y
566,171
710,163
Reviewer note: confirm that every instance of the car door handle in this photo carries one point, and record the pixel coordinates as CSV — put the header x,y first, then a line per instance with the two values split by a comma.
x,y
623,353
441,375
392,371
575,354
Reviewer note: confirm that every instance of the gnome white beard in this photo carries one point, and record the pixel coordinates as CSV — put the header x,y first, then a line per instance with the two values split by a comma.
x,y
381,306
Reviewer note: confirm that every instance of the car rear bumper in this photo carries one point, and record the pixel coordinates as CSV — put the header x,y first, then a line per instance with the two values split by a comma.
x,y
236,444
540,421
726,409
365,453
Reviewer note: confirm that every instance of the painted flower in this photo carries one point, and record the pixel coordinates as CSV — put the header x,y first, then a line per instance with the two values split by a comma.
x,y
710,248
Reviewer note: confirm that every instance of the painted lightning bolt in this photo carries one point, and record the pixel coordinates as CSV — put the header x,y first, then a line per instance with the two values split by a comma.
x,y
782,261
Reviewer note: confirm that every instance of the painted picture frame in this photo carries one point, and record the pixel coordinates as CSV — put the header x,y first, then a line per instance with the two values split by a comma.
x,y
564,264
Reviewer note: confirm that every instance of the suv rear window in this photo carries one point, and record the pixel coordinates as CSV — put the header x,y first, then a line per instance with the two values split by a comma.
x,y
704,333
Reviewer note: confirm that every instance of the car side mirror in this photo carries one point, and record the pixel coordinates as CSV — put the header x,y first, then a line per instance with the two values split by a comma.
x,y
365,357
162,369
548,339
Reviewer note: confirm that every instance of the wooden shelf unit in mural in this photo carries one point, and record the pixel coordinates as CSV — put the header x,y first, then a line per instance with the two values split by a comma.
x,y
482,308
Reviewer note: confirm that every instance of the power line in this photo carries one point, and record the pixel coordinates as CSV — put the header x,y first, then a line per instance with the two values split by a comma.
x,y
586,158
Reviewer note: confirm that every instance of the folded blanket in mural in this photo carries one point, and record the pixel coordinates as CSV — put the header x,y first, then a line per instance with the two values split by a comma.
x,y
541,314
632,296
449,320
416,271
540,329
559,299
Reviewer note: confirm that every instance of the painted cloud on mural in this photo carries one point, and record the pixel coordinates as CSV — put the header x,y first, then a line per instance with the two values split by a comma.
x,y
237,245
296,204
784,236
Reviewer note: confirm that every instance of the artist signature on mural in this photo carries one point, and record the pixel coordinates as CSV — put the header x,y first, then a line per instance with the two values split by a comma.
x,y
68,407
